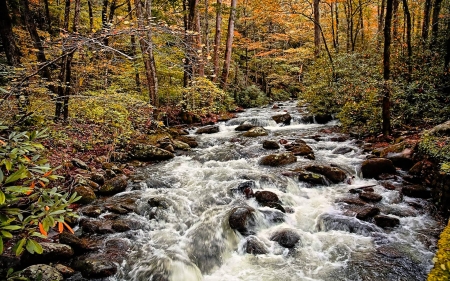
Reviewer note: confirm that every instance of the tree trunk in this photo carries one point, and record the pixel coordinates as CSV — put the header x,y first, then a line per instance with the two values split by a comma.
x,y
137,79
381,23
447,54
9,43
426,20
435,23
387,70
66,15
316,28
337,27
146,44
91,16
333,35
217,39
361,22
229,46
395,20
47,17
408,38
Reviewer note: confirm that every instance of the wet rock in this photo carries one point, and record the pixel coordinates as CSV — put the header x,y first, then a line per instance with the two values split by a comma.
x,y
208,130
274,205
284,118
93,226
323,118
352,201
98,178
329,222
244,126
256,132
117,209
113,186
402,161
370,197
441,130
342,150
254,246
51,252
189,140
389,252
168,147
271,144
159,202
334,174
367,212
313,178
273,216
120,226
416,191
109,174
266,197
386,221
146,152
41,272
80,164
361,190
242,219
77,244
287,238
92,211
299,149
94,266
86,193
283,141
278,159
181,145
118,244
246,184
340,139
373,168
64,270
388,185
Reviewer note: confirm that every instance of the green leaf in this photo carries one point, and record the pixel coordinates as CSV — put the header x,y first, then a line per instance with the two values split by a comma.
x,y
1,176
12,227
6,234
30,247
18,248
19,174
57,212
2,198
1,245
8,164
37,247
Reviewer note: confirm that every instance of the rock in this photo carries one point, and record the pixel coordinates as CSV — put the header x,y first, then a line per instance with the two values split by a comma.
x,y
94,267
416,191
92,211
389,252
373,168
146,152
287,238
361,190
96,226
323,118
117,209
370,197
242,219
266,197
274,205
275,106
77,244
255,132
386,221
51,252
441,130
41,272
284,118
120,226
307,119
401,160
244,126
159,202
283,141
168,147
189,140
109,174
342,150
313,178
246,184
334,174
86,193
352,201
270,144
340,138
119,156
64,270
329,222
273,216
367,212
208,130
114,185
254,246
278,159
80,164
181,145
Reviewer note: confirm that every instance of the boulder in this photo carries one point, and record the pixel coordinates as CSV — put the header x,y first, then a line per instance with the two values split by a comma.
x,y
367,212
77,244
370,197
284,118
334,174
401,161
51,252
41,272
211,129
64,270
254,246
113,186
441,130
86,193
270,144
273,216
80,164
274,205
416,191
94,266
373,168
181,145
313,178
300,149
278,159
342,150
92,211
244,126
352,201
189,140
329,222
98,178
242,219
386,221
287,238
266,197
256,132
146,152
323,118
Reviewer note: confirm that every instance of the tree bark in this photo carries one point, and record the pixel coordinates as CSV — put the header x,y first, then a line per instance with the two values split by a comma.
x,y
217,39
91,16
387,70
137,79
396,21
435,23
47,17
337,26
426,20
146,44
9,43
229,46
316,28
408,38
381,22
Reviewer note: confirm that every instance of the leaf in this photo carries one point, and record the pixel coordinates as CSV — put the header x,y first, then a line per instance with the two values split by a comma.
x,y
42,230
60,227
68,228
18,248
8,164
1,245
1,176
6,234
19,174
30,247
12,227
2,198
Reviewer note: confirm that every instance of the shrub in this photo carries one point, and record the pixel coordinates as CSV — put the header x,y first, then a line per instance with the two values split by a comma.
x,y
251,96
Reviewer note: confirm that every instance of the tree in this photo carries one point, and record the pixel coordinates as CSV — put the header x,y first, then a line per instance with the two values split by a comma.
x,y
387,70
11,50
229,46
217,39
316,27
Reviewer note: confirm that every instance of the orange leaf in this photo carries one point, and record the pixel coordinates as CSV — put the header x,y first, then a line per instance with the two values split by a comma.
x,y
2,143
47,208
48,173
60,227
42,230
69,228
31,188
41,183
26,158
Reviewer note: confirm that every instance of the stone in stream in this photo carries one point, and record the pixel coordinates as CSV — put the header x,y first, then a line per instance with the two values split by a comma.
x,y
244,126
51,252
242,219
287,238
94,266
208,130
284,118
98,178
64,270
147,152
329,222
41,272
367,212
270,144
189,140
254,246
373,168
370,196
342,150
334,174
313,178
181,145
278,159
266,197
386,221
300,149
86,193
113,186
77,244
256,132
323,118
274,205
416,191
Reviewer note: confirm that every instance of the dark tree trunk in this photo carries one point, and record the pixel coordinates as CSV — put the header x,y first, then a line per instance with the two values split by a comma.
x,y
137,79
217,39
337,27
426,20
447,54
47,17
316,27
229,46
386,107
91,16
435,23
333,35
408,38
66,15
381,22
9,43
396,21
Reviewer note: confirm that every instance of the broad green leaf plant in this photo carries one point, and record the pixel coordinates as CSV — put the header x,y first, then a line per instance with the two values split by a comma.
x,y
28,206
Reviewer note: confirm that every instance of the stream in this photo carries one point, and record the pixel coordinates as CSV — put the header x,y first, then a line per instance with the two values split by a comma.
x,y
184,207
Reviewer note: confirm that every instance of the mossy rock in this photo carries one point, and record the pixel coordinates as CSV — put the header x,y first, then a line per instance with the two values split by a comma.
x,y
256,132
86,193
441,269
278,159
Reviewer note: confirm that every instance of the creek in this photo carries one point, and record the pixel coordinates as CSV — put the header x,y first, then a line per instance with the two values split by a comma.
x,y
184,207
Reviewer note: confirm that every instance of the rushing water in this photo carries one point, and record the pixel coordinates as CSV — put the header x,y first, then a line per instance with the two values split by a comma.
x,y
185,233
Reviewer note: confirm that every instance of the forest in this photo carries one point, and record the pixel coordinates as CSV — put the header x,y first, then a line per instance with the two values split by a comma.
x,y
96,93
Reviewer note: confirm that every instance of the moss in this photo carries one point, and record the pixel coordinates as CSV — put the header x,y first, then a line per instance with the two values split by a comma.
x,y
441,269
437,148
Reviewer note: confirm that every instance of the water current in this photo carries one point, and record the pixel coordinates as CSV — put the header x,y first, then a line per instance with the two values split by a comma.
x,y
185,233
